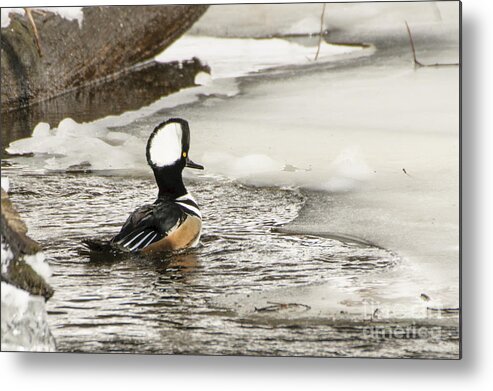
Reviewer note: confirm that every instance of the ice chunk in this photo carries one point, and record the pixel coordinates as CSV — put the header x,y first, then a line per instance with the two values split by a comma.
x,y
71,144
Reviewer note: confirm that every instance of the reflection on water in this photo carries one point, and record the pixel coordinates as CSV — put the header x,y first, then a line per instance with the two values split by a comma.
x,y
167,306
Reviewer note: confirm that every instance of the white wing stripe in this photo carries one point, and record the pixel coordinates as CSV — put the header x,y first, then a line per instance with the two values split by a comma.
x,y
130,240
138,244
149,241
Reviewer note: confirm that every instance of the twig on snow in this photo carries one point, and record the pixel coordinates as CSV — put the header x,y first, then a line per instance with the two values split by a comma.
x,y
418,64
321,31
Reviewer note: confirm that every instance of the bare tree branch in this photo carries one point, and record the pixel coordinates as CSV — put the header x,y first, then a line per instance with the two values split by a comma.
x,y
35,30
321,31
418,64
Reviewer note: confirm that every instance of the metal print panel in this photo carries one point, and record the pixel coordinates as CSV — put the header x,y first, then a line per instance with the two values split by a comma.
x,y
257,179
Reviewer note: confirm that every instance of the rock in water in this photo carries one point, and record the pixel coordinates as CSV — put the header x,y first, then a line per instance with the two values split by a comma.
x,y
24,324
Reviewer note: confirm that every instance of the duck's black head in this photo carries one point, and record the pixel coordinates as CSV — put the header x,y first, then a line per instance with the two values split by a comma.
x,y
167,154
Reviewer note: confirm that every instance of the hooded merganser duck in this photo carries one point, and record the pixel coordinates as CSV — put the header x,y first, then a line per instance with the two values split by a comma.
x,y
174,220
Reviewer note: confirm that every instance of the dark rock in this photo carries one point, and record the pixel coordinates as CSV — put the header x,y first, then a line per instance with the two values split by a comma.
x,y
111,39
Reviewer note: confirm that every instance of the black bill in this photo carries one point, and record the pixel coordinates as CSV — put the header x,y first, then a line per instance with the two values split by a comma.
x,y
191,164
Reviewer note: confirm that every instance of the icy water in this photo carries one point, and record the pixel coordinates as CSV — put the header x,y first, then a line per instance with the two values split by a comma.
x,y
172,306
168,306
258,284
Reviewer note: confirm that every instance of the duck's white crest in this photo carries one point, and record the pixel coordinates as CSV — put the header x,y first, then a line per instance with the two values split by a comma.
x,y
165,148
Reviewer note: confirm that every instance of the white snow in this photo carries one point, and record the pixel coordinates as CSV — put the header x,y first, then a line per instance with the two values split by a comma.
x,y
363,19
36,261
70,13
229,57
6,15
203,79
24,324
15,297
24,321
39,264
6,255
5,183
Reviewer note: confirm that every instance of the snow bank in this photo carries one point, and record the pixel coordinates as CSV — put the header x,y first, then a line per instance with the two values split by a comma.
x,y
229,57
347,171
74,146
362,19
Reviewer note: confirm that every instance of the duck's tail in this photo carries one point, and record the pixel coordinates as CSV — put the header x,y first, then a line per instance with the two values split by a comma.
x,y
98,245
101,250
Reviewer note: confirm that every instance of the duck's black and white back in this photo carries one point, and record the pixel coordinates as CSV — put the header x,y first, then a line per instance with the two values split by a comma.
x,y
174,220
167,224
